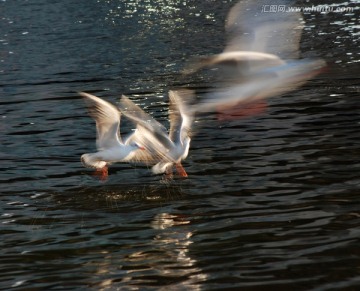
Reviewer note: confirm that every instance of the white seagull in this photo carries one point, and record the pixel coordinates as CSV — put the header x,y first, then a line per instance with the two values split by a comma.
x,y
261,57
166,149
111,147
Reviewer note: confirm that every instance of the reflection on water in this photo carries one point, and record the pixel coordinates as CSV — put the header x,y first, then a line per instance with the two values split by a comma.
x,y
271,201
165,260
171,248
168,258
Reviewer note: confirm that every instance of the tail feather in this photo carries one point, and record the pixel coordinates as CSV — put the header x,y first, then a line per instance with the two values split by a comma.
x,y
161,167
91,161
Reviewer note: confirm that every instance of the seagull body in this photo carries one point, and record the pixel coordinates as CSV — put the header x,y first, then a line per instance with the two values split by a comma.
x,y
269,82
166,149
244,62
111,148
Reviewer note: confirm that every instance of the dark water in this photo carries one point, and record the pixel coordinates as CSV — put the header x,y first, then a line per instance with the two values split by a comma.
x,y
271,202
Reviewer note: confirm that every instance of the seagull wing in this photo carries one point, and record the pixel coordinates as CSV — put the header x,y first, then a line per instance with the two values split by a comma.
x,y
145,122
154,149
258,26
107,118
181,117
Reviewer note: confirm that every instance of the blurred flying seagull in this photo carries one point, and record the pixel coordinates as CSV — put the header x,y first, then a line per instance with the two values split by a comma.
x,y
261,57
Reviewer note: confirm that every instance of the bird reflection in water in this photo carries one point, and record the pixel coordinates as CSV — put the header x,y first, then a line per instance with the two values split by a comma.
x,y
164,262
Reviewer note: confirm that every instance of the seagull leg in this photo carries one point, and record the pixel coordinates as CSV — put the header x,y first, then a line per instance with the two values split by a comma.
x,y
102,173
168,173
180,169
241,110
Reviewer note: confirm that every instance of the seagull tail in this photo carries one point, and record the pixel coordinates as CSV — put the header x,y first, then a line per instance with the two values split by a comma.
x,y
161,167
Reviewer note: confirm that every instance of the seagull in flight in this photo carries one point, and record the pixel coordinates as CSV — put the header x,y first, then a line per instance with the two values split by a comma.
x,y
260,59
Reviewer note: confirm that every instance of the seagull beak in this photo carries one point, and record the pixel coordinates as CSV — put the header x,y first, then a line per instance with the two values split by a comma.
x,y
141,148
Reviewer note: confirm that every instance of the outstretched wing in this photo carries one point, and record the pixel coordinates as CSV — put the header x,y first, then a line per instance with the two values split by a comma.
x,y
155,150
263,26
259,35
107,118
181,117
145,121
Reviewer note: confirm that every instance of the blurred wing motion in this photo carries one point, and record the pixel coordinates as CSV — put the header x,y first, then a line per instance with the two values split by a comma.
x,y
260,58
107,118
164,149
252,26
267,83
139,116
149,132
181,117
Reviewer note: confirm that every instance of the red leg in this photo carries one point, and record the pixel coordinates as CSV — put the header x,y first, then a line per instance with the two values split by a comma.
x,y
102,173
180,169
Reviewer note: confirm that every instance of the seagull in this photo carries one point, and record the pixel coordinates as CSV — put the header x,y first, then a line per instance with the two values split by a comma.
x,y
261,56
111,147
168,149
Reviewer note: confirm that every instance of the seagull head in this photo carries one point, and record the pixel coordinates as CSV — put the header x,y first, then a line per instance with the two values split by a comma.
x,y
138,146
